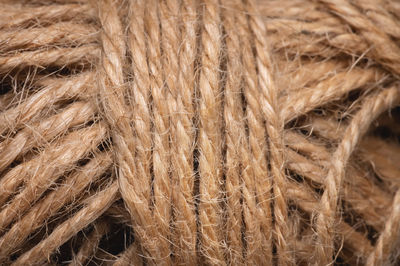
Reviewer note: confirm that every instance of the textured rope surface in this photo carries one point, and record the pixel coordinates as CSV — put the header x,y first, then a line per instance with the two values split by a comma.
x,y
199,132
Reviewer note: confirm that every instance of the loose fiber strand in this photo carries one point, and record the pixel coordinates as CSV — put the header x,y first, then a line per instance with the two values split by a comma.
x,y
373,106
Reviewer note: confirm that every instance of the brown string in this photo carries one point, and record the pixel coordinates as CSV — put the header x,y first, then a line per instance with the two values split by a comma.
x,y
199,132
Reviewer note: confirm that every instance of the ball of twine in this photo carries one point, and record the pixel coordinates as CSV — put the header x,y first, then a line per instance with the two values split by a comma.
x,y
209,132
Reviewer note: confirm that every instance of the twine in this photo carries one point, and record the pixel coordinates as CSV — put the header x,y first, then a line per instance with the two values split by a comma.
x,y
199,132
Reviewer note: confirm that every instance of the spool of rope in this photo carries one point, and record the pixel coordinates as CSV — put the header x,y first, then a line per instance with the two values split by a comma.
x,y
199,132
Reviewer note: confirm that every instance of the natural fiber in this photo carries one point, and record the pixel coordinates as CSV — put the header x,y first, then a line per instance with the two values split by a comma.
x,y
200,132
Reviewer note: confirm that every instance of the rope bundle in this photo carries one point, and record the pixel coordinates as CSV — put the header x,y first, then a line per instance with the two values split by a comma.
x,y
184,132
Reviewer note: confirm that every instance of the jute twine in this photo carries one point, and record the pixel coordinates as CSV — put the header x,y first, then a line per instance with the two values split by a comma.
x,y
199,132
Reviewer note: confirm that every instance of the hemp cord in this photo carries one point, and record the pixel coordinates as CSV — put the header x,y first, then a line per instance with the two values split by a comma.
x,y
199,132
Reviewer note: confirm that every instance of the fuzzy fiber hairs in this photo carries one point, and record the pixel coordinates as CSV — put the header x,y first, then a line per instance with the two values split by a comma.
x,y
199,132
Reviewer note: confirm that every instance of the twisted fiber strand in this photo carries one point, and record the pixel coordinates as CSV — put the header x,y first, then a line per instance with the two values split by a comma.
x,y
308,201
18,16
345,40
210,142
297,74
307,99
141,119
301,165
80,144
141,95
299,240
325,128
350,44
381,155
307,146
296,27
381,16
112,57
182,136
307,46
91,243
312,47
160,94
63,154
95,207
372,147
358,186
357,246
170,40
328,25
39,134
83,89
83,55
328,46
256,179
303,245
384,50
386,247
326,37
176,62
53,91
47,2
320,34
132,189
298,11
252,214
374,106
330,129
370,217
274,128
353,193
294,37
70,189
234,138
355,189
293,9
61,34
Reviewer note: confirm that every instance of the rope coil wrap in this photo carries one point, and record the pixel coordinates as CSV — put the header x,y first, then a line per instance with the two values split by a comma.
x,y
199,132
